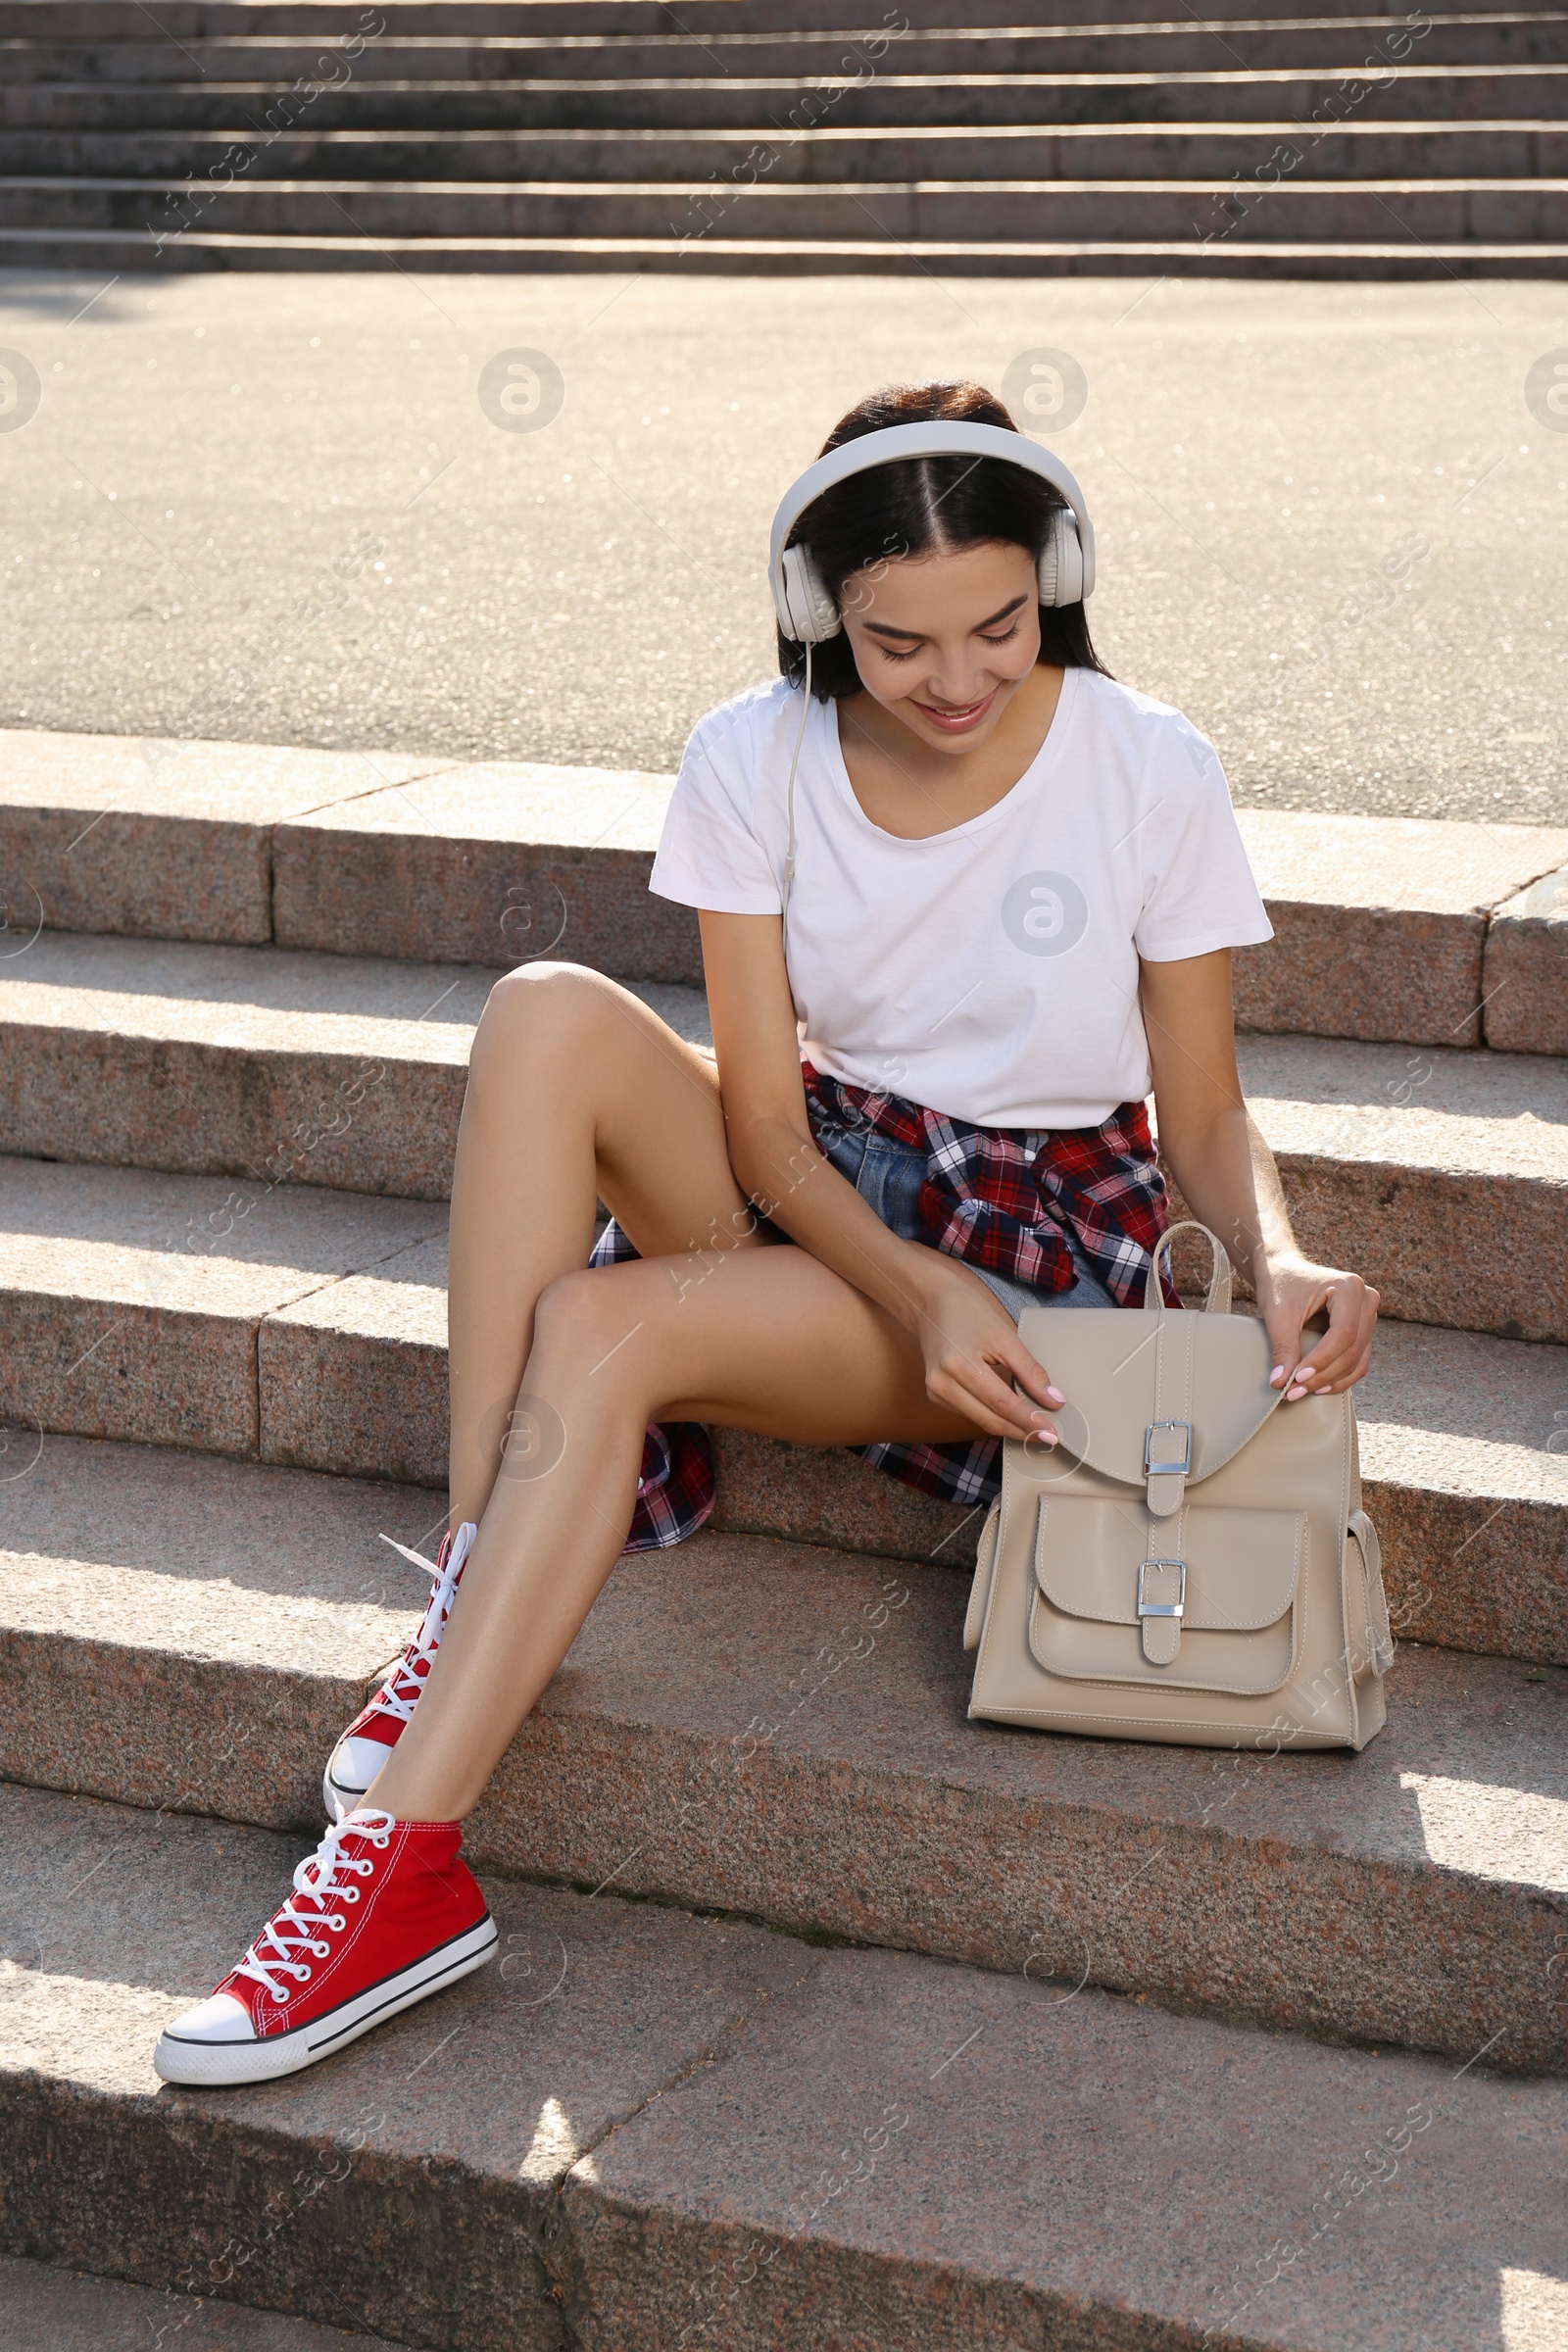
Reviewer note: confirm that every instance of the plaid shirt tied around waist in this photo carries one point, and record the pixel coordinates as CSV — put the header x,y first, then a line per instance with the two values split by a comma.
x,y
1002,1198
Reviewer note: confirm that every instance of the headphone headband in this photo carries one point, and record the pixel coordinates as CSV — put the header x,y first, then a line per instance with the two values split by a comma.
x,y
935,440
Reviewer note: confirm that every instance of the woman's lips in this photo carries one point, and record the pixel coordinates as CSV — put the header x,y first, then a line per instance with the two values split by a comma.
x,y
956,717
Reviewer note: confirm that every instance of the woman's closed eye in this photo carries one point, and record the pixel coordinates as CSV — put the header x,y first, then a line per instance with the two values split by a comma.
x,y
1005,638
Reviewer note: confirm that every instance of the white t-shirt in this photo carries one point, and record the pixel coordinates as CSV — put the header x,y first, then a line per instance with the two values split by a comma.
x,y
990,971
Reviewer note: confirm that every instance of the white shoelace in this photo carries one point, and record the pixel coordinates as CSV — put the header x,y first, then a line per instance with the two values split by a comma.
x,y
399,1693
293,1933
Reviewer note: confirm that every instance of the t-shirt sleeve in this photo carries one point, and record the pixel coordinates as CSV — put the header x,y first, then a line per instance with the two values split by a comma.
x,y
710,854
1199,891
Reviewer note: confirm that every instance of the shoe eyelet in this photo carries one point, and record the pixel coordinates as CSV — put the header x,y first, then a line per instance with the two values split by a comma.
x,y
323,1950
337,1923
350,1895
279,1998
302,1974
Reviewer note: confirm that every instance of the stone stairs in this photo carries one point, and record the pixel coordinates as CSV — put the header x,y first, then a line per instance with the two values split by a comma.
x,y
742,134
823,2016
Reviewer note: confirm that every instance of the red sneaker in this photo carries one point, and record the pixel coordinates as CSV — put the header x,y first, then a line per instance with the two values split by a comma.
x,y
370,1738
387,1913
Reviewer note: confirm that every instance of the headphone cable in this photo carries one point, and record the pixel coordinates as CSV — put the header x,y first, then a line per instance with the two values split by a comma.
x,y
795,762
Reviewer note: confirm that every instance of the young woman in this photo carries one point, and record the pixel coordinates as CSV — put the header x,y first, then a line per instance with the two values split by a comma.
x,y
961,904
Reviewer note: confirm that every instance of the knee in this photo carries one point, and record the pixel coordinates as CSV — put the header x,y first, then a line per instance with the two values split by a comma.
x,y
541,1009
585,1320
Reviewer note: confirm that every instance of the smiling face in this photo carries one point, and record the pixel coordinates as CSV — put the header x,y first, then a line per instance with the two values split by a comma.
x,y
944,642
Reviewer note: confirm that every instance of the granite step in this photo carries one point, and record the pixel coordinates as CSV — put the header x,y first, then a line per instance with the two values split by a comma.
x,y
1398,259
423,109
131,1303
1423,932
460,52
308,1328
1089,151
1441,1173
45,2309
116,21
643,2125
1386,925
827,1780
918,214
1346,83
249,1062
452,86
282,1068
486,861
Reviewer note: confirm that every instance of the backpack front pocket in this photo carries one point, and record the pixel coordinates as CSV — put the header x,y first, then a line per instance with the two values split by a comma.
x,y
1208,1600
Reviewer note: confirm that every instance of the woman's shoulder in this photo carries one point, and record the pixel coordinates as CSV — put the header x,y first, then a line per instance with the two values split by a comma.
x,y
743,729
1154,736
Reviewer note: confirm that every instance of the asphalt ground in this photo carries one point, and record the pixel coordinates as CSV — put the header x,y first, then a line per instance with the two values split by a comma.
x,y
1333,520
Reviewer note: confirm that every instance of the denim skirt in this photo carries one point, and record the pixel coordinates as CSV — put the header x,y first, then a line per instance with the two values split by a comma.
x,y
888,1176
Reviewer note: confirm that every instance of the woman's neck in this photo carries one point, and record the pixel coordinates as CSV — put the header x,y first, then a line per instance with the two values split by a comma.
x,y
913,790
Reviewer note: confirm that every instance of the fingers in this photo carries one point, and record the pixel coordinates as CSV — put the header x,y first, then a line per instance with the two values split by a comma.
x,y
977,1381
1030,1374
972,1388
1339,1358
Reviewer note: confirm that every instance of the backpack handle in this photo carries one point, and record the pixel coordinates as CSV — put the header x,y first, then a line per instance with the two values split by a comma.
x,y
1218,1302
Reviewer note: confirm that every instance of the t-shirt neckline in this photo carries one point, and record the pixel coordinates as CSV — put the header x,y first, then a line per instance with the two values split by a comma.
x,y
1046,757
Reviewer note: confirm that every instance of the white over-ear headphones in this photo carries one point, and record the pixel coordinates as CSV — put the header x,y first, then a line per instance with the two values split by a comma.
x,y
808,614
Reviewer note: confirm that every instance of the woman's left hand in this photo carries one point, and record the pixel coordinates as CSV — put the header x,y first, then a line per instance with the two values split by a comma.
x,y
1292,1291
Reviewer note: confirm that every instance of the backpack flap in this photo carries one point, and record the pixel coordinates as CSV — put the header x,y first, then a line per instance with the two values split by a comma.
x,y
1157,1401
1204,1600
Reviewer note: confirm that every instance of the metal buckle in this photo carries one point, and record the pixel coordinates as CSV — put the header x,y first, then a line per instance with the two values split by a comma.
x,y
1162,1608
1156,1469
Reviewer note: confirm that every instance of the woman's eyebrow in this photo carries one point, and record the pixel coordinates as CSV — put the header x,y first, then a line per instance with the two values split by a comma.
x,y
884,628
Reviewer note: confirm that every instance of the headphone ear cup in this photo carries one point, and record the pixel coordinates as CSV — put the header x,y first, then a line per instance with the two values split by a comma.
x,y
809,614
1061,561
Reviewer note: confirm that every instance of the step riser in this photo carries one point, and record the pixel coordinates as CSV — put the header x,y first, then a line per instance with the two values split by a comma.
x,y
195,1110
793,58
1379,974
1524,975
1221,153
315,1398
115,1370
1416,1229
1234,257
75,22
186,1736
260,112
483,902
130,2190
1289,212
1373,970
1314,101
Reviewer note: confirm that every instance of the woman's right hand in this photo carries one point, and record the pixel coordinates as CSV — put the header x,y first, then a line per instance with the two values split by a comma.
x,y
973,1353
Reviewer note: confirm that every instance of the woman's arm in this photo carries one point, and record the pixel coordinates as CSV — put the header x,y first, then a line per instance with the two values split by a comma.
x,y
1227,1175
969,1343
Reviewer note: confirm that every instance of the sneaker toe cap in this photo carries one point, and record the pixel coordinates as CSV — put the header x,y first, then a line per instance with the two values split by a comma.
x,y
220,2019
354,1764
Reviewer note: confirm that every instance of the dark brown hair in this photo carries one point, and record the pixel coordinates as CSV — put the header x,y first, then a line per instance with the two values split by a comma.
x,y
925,507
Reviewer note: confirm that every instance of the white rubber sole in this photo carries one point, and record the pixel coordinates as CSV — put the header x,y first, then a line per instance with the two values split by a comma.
x,y
212,2065
339,1802
338,1798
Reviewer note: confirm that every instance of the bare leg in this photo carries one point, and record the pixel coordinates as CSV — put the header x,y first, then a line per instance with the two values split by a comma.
x,y
575,1089
768,1340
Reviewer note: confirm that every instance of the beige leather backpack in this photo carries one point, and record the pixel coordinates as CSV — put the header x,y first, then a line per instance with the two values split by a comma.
x,y
1192,1561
